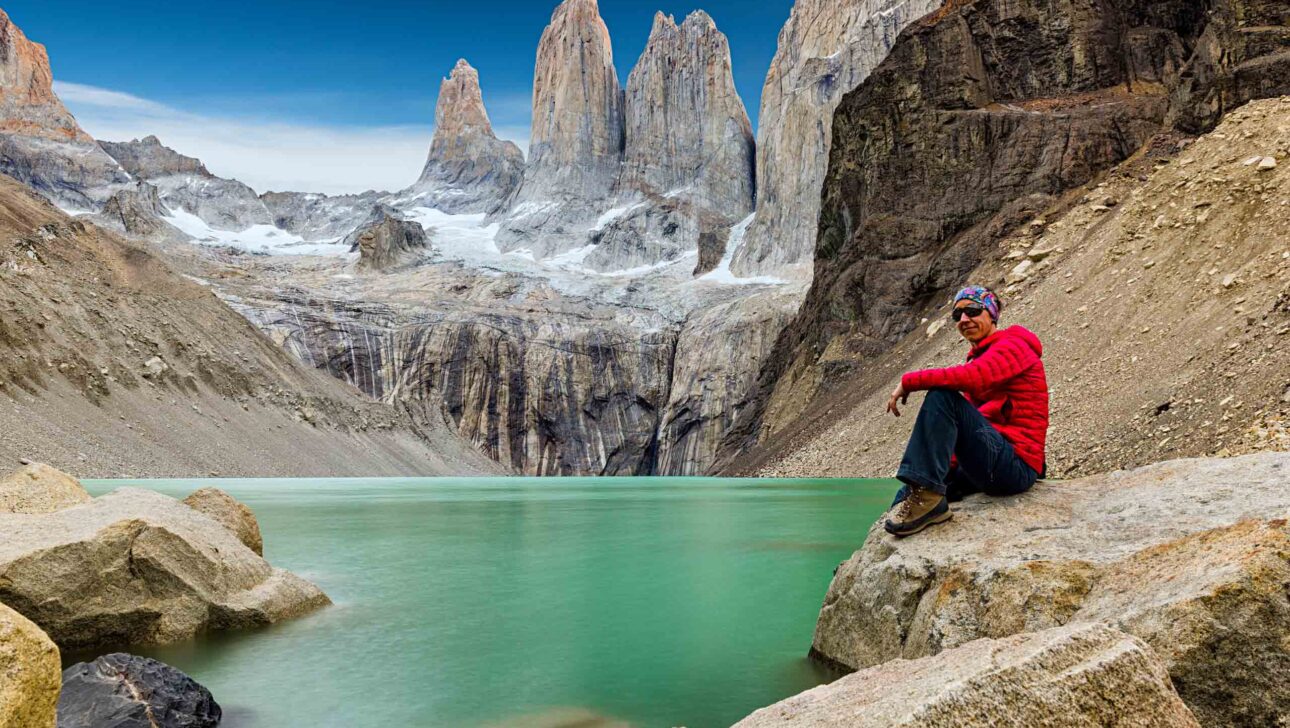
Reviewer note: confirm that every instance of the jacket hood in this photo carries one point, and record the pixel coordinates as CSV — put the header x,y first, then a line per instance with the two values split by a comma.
x,y
1016,332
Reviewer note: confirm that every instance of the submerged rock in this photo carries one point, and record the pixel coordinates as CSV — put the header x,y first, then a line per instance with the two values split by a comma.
x,y
469,170
127,691
136,566
1191,556
29,673
230,514
1065,677
39,488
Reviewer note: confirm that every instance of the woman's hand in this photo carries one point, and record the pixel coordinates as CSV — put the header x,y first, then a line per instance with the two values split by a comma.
x,y
899,395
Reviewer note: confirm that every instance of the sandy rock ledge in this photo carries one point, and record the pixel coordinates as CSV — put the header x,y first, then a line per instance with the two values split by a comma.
x,y
1190,556
1078,675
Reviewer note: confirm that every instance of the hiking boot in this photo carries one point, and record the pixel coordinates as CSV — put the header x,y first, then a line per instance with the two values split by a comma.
x,y
921,509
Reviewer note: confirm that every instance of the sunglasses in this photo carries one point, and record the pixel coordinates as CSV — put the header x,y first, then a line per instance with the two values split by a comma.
x,y
969,311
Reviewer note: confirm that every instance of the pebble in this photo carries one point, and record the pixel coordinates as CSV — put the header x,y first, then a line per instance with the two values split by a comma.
x,y
1268,164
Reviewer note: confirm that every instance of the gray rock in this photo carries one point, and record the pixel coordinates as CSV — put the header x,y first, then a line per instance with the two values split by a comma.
x,y
1191,556
317,217
137,566
128,691
41,145
469,169
1075,676
184,183
137,211
826,48
386,241
576,147
688,163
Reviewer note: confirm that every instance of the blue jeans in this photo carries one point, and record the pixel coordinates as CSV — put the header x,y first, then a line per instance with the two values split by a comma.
x,y
947,425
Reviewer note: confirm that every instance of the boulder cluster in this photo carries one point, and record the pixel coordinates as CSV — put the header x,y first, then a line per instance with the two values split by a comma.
x,y
130,567
1160,595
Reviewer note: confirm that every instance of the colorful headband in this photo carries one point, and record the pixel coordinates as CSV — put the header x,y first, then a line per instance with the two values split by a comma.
x,y
982,296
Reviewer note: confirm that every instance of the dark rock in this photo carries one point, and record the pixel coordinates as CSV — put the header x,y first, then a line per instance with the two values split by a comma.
x,y
127,691
386,240
979,105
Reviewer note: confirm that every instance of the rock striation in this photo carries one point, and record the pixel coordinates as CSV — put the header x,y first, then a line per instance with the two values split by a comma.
x,y
1065,677
127,691
826,49
469,170
688,160
136,566
38,488
29,673
230,514
184,183
576,146
41,145
1053,95
1190,556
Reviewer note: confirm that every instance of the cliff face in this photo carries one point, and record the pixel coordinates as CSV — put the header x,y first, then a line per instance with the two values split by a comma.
x,y
576,146
184,183
687,169
41,144
469,169
826,49
932,164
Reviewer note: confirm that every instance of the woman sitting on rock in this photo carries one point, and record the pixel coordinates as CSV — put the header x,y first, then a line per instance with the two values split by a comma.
x,y
983,425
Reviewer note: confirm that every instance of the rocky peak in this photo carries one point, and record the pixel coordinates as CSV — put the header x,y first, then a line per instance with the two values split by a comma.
x,y
28,104
148,158
826,48
576,146
469,169
686,126
386,240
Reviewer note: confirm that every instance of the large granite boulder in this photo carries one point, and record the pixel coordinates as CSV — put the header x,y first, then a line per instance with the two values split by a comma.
x,y
826,48
1075,676
386,240
469,170
39,488
230,514
576,145
1191,556
137,566
41,145
29,673
127,691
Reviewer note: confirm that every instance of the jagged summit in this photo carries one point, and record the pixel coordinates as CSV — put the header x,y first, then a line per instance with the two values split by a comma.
x,y
468,169
148,158
28,104
41,145
576,146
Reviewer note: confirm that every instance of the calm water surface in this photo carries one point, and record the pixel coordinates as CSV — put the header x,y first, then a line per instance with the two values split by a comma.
x,y
525,602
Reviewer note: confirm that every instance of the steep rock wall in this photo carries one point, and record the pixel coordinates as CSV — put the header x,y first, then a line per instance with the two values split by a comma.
x,y
931,164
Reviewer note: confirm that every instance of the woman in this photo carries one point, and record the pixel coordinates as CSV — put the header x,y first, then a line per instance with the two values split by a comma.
x,y
983,425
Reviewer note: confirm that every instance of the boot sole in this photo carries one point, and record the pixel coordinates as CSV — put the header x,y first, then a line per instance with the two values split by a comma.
x,y
947,515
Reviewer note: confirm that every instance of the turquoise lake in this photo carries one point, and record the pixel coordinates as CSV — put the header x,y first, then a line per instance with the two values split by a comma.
x,y
533,602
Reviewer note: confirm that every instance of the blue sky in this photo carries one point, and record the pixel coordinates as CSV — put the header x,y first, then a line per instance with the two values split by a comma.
x,y
325,95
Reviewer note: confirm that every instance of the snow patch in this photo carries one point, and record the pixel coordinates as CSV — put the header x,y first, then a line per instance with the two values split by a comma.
x,y
255,239
722,273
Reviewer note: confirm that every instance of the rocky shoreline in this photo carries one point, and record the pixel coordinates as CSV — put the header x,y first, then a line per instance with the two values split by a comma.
x,y
1079,599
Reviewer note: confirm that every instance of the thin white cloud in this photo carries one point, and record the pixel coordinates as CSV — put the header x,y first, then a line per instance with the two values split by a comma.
x,y
267,154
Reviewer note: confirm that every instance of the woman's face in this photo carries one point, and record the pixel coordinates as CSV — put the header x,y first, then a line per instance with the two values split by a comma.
x,y
974,328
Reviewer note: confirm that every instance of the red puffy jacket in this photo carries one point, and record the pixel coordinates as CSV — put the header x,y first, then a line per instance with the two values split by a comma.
x,y
1004,379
